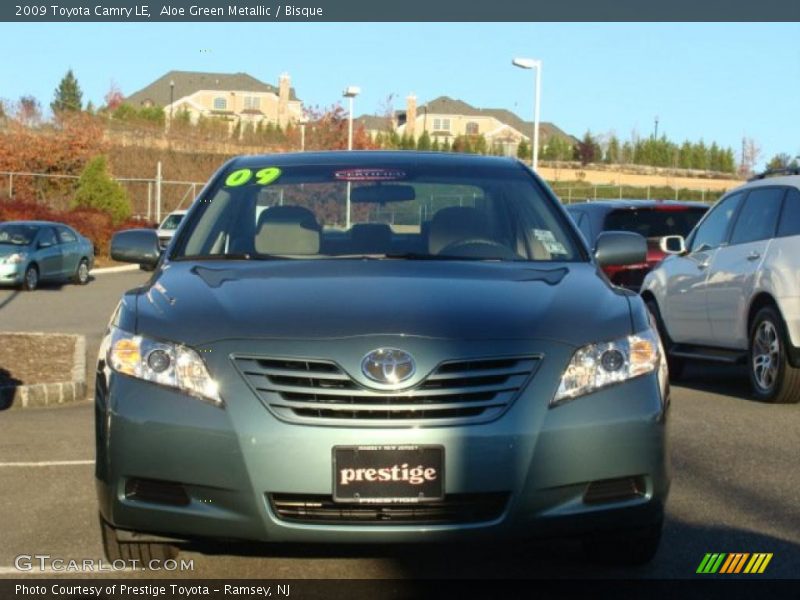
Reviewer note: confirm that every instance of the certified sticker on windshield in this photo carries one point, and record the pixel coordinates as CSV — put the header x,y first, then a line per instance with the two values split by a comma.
x,y
549,241
263,176
369,175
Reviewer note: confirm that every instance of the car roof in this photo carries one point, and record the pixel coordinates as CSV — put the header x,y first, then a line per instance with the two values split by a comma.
x,y
609,205
789,180
37,223
375,158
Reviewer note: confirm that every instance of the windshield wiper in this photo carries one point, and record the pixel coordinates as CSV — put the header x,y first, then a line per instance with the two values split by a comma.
x,y
426,256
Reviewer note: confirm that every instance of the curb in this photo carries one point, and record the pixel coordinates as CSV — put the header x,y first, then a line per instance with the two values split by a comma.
x,y
113,269
50,394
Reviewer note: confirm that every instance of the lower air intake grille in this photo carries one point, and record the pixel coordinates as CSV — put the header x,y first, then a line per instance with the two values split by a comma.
x,y
615,490
454,509
454,393
156,492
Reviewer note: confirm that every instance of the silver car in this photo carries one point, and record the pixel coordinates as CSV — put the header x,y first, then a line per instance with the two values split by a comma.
x,y
731,291
35,251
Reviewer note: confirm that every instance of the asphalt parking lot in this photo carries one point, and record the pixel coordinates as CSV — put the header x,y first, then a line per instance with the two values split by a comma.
x,y
736,483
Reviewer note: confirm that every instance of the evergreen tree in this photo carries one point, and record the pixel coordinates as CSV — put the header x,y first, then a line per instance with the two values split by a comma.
x,y
424,141
612,151
96,189
523,150
435,145
68,95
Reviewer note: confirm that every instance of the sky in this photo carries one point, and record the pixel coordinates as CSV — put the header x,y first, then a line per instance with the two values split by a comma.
x,y
714,81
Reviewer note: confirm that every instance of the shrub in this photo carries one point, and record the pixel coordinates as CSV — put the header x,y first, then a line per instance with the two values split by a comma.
x,y
96,189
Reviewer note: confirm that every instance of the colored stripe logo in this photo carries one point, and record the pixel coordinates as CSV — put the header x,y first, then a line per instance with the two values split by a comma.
x,y
734,563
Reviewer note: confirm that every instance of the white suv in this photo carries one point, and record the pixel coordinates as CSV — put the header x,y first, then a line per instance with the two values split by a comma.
x,y
731,291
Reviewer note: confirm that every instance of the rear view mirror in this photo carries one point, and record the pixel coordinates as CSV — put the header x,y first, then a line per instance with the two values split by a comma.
x,y
672,244
136,246
381,194
618,248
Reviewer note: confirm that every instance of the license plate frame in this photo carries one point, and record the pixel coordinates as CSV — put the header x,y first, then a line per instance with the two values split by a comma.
x,y
388,460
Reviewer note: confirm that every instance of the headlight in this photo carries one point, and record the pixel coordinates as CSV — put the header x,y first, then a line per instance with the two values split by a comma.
x,y
599,365
167,364
14,259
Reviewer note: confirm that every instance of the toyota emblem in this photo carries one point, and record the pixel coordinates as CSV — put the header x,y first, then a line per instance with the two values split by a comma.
x,y
388,366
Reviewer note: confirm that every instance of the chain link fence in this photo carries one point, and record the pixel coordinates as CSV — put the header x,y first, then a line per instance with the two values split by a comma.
x,y
151,198
579,192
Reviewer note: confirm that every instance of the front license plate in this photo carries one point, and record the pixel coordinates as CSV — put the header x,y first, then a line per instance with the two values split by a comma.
x,y
385,474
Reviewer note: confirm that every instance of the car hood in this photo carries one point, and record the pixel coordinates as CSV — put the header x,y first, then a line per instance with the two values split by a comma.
x,y
201,302
9,249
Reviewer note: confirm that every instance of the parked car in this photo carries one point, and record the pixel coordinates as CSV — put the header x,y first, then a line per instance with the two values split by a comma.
x,y
311,363
168,227
36,251
731,291
653,219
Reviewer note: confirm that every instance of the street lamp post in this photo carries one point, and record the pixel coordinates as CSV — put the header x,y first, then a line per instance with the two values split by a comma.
x,y
532,63
350,92
171,98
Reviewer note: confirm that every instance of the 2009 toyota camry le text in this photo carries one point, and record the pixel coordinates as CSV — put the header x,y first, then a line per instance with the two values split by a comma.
x,y
380,347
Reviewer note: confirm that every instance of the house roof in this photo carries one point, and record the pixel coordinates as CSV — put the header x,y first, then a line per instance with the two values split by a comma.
x,y
189,82
444,105
374,122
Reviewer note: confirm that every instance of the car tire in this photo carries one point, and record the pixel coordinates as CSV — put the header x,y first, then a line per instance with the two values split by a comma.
x,y
627,547
772,378
142,552
674,364
30,281
81,276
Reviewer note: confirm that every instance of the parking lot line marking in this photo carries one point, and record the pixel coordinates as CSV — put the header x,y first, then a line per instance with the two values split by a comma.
x,y
48,463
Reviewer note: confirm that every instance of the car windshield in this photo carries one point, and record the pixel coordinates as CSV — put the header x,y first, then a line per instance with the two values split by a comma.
x,y
17,235
655,223
416,212
171,222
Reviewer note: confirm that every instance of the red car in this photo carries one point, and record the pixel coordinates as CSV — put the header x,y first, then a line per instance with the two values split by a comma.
x,y
653,219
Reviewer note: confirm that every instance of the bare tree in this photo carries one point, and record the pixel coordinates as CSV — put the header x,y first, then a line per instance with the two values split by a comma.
x,y
751,151
29,111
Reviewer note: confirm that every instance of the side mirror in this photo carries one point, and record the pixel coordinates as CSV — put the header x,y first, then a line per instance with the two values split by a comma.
x,y
619,248
136,246
41,245
672,244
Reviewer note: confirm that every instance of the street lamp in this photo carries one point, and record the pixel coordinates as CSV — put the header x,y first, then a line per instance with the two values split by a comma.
x,y
303,122
350,92
171,98
532,63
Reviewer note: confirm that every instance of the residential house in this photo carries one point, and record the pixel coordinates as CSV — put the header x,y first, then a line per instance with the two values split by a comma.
x,y
234,97
446,118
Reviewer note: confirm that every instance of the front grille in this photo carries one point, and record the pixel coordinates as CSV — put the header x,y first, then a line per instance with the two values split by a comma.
x,y
456,392
454,509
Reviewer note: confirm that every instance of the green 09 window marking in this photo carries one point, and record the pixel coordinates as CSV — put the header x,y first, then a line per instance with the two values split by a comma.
x,y
264,176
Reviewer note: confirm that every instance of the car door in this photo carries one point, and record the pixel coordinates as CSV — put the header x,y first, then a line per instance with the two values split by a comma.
x,y
48,254
733,271
685,310
70,250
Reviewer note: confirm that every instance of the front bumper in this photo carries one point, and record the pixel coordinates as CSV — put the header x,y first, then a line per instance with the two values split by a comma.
x,y
230,459
11,274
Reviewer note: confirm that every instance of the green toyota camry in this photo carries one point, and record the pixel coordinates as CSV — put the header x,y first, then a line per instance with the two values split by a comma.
x,y
380,347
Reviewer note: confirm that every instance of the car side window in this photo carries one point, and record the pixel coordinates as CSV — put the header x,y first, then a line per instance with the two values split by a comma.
x,y
47,238
759,216
714,228
585,227
790,216
66,236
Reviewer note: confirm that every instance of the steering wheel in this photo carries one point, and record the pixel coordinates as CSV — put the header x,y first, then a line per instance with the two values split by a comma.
x,y
478,248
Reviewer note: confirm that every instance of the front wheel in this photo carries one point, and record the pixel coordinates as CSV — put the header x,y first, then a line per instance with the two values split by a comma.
x,y
142,552
772,378
30,281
